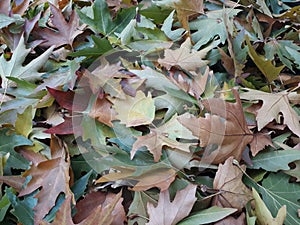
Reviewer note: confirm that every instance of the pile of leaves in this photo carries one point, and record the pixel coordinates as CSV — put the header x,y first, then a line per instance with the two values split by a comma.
x,y
154,112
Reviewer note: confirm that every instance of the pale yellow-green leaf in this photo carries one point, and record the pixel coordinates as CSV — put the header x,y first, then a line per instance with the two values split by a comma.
x,y
135,111
263,214
23,123
270,71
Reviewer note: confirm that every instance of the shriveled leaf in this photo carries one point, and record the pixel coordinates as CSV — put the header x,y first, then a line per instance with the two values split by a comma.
x,y
170,213
14,67
263,214
224,132
185,57
228,180
53,176
273,104
206,216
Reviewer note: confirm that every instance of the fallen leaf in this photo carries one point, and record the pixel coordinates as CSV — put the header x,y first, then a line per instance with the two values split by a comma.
x,y
66,31
224,132
273,104
259,142
160,178
53,176
185,57
186,9
170,213
263,214
103,112
135,111
241,220
14,67
100,215
270,71
86,208
233,192
295,172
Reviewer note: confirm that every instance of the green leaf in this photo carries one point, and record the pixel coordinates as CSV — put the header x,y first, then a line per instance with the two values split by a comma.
x,y
80,185
97,46
270,71
4,205
276,191
22,209
156,13
275,160
8,141
263,214
167,28
284,49
215,21
7,20
209,215
14,67
101,21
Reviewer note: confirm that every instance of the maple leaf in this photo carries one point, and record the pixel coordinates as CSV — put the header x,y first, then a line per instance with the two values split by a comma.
x,y
259,142
112,210
52,175
155,177
185,9
135,111
228,181
224,132
185,57
295,172
166,134
67,31
270,71
14,67
170,213
273,104
102,214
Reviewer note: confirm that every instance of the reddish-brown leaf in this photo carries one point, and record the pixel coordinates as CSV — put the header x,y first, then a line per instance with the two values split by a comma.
x,y
52,176
67,31
259,142
13,181
230,220
224,132
71,125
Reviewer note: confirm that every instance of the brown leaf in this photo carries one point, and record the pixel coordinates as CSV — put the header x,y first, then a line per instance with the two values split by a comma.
x,y
86,207
16,182
227,62
67,31
259,142
103,112
273,104
186,9
170,213
233,192
160,178
101,214
224,132
70,125
53,176
185,57
232,221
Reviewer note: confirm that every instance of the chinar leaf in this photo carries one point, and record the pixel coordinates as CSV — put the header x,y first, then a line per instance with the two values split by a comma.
x,y
270,71
276,191
14,67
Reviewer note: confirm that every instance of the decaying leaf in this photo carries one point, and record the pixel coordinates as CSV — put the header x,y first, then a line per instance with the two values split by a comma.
x,y
185,57
170,213
224,132
273,104
228,181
